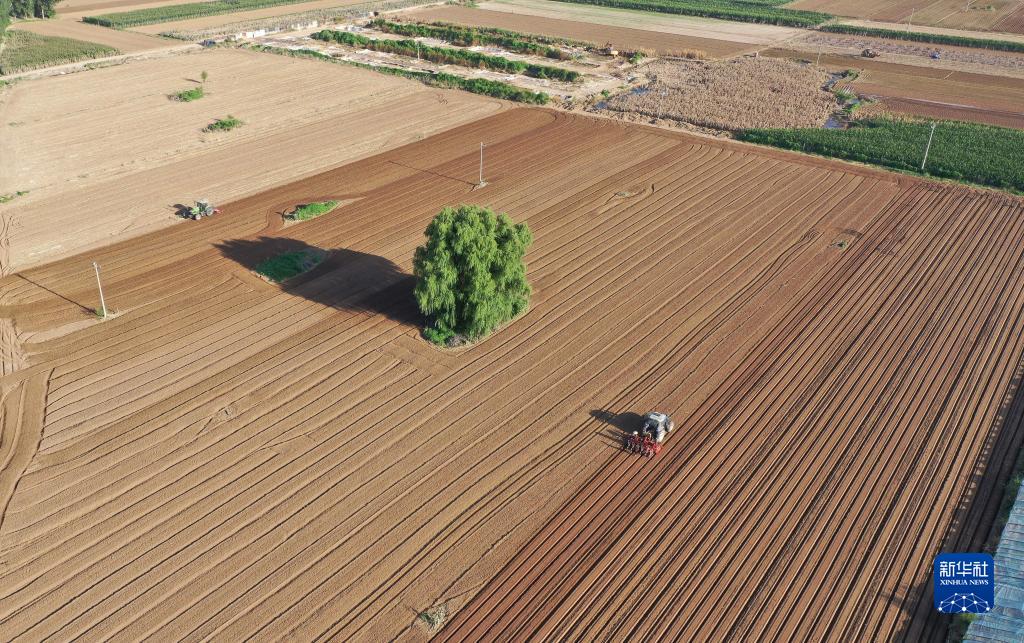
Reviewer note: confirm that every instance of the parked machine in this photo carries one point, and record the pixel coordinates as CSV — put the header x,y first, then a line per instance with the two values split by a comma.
x,y
648,439
869,53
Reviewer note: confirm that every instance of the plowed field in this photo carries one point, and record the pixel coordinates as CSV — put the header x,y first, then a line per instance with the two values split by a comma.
x,y
930,91
996,15
228,459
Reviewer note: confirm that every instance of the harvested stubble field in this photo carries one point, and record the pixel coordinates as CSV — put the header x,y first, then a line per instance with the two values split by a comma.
x,y
105,154
622,38
929,91
228,458
731,94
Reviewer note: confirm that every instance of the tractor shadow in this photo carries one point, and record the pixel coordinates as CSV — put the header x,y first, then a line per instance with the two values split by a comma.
x,y
346,279
616,425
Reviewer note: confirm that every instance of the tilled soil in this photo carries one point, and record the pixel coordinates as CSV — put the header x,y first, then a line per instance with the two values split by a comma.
x,y
226,458
929,91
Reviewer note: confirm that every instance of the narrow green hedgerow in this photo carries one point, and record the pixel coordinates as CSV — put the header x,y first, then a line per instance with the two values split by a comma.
x,y
475,36
493,88
308,211
737,10
445,55
933,38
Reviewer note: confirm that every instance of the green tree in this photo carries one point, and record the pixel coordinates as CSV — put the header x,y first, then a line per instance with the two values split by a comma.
x,y
470,274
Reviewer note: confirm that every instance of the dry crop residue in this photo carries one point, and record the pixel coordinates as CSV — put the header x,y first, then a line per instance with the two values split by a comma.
x,y
732,94
230,459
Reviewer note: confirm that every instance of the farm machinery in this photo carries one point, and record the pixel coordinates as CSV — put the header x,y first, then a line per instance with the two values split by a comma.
x,y
648,440
201,209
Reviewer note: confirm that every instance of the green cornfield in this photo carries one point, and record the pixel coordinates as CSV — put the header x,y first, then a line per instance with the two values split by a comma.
x,y
25,50
979,154
125,19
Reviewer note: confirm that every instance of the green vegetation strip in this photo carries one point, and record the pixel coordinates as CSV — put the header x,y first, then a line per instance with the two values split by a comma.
x,y
980,154
447,56
24,50
223,124
189,95
474,36
291,264
311,210
492,88
153,15
933,38
738,10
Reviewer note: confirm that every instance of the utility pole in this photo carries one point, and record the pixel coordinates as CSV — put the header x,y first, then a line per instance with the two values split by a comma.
x,y
103,304
928,147
481,183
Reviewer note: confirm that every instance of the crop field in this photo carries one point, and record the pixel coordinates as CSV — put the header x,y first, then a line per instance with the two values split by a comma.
x,y
107,154
930,91
1003,15
157,14
731,94
249,16
24,50
228,458
622,38
751,33
124,41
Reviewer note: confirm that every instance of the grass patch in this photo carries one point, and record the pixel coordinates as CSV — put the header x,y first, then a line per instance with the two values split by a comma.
x,y
969,152
445,55
309,211
154,15
474,36
933,38
762,11
223,124
189,95
24,50
493,88
291,264
4,198
435,617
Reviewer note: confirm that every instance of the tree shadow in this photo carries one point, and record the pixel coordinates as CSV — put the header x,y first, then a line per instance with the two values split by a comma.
x,y
346,279
617,425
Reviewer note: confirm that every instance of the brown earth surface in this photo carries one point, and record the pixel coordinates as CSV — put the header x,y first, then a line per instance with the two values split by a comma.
x,y
621,37
106,155
951,112
975,97
229,459
1003,15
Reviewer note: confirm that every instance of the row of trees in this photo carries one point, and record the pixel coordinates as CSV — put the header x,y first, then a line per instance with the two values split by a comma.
x,y
24,9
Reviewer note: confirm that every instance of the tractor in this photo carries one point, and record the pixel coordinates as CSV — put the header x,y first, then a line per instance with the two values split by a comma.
x,y
648,440
201,209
